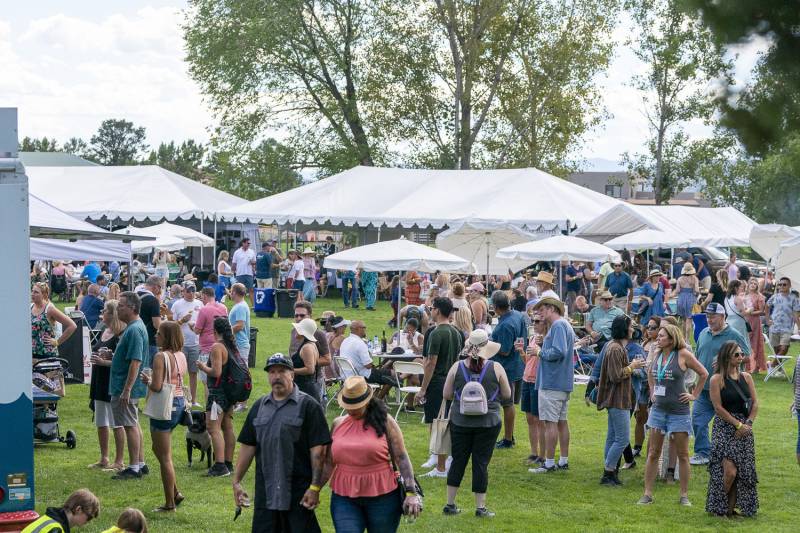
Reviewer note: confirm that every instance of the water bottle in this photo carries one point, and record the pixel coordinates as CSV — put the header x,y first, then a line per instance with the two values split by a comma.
x,y
369,346
376,344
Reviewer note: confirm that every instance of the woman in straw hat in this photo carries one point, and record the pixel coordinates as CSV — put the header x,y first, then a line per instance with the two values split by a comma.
x,y
688,289
366,493
305,359
473,432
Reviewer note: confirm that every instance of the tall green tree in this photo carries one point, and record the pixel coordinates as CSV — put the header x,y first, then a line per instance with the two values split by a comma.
x,y
117,142
285,64
186,159
767,110
44,144
263,171
682,58
75,146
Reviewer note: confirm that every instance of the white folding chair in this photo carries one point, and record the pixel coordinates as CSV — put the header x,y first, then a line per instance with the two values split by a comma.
x,y
406,367
775,370
333,385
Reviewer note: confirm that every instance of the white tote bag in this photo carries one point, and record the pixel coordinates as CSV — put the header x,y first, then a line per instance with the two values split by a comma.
x,y
159,404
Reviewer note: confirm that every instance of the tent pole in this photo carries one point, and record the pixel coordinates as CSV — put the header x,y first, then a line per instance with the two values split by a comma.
x,y
671,261
399,304
202,218
295,236
214,257
379,234
487,256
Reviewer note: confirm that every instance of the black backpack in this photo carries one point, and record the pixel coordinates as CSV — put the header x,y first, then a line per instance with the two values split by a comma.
x,y
237,382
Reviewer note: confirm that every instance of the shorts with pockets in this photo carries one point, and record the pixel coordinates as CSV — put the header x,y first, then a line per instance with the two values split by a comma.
x,y
103,415
780,339
669,422
125,415
553,405
433,400
192,354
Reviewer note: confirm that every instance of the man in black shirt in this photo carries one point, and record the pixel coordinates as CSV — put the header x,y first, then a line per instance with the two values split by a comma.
x,y
287,433
151,312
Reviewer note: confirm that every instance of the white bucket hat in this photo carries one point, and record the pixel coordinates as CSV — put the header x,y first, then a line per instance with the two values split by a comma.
x,y
479,340
306,328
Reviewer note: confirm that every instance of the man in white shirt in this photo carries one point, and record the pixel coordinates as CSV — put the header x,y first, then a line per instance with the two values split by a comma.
x,y
185,312
244,262
355,350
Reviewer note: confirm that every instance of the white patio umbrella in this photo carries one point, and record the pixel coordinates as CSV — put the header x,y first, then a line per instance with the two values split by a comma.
x,y
560,248
766,239
400,254
480,242
787,262
162,243
648,238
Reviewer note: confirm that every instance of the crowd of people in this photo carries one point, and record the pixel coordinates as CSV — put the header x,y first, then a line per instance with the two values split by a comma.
x,y
482,347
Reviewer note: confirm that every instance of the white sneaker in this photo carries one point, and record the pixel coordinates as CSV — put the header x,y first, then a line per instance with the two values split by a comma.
x,y
698,460
430,463
436,473
448,462
196,405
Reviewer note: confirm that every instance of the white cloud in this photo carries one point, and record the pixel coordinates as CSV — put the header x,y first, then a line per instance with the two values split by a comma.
x,y
67,74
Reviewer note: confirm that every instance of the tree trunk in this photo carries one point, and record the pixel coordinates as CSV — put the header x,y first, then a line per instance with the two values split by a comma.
x,y
658,186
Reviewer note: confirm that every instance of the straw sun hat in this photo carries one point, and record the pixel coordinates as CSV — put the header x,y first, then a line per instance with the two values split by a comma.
x,y
355,393
479,340
306,328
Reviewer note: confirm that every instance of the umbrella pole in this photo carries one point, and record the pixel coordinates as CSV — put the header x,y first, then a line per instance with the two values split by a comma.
x,y
671,261
487,258
399,304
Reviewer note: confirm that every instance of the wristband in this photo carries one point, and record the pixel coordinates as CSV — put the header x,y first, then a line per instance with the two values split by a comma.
x,y
739,426
55,341
411,494
315,488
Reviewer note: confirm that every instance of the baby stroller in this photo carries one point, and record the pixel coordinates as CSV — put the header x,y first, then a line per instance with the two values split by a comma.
x,y
48,388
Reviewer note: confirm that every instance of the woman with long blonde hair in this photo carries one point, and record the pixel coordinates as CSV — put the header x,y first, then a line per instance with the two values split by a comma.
x,y
224,270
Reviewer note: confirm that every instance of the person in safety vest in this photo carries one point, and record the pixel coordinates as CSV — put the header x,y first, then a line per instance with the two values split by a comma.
x,y
80,508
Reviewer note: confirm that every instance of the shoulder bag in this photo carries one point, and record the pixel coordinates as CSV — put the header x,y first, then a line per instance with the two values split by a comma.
x,y
440,433
159,404
404,485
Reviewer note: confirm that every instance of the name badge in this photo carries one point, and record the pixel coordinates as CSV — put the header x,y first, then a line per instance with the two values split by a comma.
x,y
660,390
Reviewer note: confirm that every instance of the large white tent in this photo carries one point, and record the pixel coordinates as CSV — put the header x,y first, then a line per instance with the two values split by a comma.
x,y
648,238
47,221
413,198
702,226
97,250
766,239
165,243
480,242
787,260
187,236
398,254
127,192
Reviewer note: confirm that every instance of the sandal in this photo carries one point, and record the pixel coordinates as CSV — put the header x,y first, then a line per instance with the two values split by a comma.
x,y
164,509
116,467
99,465
178,499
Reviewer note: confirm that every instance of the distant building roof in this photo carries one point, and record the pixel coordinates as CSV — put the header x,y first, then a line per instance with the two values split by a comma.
x,y
53,159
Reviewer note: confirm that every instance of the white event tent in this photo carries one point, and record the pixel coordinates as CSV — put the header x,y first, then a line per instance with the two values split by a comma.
x,y
164,243
480,242
559,248
57,235
787,260
412,198
645,238
702,226
168,237
139,192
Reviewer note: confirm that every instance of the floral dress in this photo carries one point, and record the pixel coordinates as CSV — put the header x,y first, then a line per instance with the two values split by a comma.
x,y
41,326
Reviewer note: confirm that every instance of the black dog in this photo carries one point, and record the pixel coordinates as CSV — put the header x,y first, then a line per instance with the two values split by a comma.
x,y
198,437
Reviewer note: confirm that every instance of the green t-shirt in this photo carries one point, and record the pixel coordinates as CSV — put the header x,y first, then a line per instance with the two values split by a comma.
x,y
445,342
132,347
601,319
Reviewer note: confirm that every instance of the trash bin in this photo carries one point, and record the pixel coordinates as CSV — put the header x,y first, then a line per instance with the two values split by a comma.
x,y
251,357
285,299
265,303
202,277
700,323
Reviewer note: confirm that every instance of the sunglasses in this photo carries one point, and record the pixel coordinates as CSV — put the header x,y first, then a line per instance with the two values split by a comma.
x,y
652,328
300,316
537,321
783,284
738,354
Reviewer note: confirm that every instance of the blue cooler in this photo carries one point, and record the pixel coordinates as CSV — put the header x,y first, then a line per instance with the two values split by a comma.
x,y
265,303
700,323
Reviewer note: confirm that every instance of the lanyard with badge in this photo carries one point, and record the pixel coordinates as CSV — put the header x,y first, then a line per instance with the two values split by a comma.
x,y
661,371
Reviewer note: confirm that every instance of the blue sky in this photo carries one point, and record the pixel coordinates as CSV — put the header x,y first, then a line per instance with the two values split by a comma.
x,y
69,65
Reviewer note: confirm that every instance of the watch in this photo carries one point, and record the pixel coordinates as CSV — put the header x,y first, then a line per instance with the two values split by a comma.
x,y
749,422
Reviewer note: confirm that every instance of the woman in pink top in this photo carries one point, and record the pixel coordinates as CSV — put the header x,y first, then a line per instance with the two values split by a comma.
x,y
530,396
169,339
364,484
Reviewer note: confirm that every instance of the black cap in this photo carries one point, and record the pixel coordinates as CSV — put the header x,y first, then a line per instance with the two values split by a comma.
x,y
265,244
279,359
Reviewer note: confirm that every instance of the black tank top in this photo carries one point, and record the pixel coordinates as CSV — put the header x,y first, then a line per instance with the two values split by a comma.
x,y
732,401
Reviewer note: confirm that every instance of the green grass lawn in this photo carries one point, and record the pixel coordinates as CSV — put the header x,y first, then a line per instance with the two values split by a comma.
x,y
563,501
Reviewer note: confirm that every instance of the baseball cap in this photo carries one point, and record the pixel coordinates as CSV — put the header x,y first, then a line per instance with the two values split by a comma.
x,y
279,359
189,286
715,308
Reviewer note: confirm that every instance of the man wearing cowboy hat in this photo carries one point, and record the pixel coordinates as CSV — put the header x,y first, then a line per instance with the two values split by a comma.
x,y
544,285
598,323
287,434
554,382
620,285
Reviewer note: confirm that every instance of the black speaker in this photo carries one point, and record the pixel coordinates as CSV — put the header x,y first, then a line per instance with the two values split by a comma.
x,y
72,349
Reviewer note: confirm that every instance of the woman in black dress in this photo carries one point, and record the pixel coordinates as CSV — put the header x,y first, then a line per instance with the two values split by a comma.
x,y
732,470
102,350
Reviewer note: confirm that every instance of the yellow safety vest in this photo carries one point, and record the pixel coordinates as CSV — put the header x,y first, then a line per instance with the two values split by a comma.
x,y
43,524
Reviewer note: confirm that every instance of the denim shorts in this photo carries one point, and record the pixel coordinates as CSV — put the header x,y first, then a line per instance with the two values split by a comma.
x,y
530,399
669,422
168,425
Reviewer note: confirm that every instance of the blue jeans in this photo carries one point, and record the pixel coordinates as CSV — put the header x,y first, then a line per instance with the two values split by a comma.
x,y
798,431
377,514
702,413
618,436
350,293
